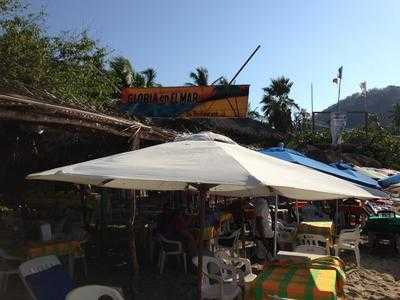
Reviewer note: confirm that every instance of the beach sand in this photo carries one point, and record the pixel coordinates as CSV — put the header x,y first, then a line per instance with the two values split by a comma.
x,y
378,277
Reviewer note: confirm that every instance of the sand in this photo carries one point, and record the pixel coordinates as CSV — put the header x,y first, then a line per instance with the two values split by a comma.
x,y
377,278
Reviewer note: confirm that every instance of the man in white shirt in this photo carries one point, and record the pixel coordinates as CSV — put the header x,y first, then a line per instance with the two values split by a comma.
x,y
264,233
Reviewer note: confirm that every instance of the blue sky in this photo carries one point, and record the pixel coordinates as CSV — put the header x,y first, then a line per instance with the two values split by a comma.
x,y
304,40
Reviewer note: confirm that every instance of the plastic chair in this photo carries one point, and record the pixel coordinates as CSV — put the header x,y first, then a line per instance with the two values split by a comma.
x,y
168,248
8,268
285,234
93,292
45,278
214,285
45,232
230,242
349,239
312,243
242,265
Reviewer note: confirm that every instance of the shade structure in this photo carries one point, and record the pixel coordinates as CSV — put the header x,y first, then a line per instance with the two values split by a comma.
x,y
228,168
299,158
368,181
390,181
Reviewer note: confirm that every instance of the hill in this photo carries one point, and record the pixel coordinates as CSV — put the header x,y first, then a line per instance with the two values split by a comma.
x,y
379,102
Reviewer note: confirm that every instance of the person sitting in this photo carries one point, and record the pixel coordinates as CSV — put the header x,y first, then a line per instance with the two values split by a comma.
x,y
180,230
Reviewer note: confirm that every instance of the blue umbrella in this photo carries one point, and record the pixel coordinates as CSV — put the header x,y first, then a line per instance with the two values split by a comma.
x,y
388,181
299,158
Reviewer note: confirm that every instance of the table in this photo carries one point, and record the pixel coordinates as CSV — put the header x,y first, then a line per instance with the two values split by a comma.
x,y
298,256
71,249
324,228
321,278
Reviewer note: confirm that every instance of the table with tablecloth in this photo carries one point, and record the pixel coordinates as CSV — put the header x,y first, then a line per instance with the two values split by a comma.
x,y
321,278
324,228
30,250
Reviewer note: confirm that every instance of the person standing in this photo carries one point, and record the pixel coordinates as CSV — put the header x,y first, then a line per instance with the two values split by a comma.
x,y
264,233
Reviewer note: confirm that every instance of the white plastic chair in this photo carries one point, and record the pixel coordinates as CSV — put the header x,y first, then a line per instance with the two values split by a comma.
x,y
45,232
39,265
285,234
349,239
234,237
168,248
8,269
213,284
312,243
246,275
93,292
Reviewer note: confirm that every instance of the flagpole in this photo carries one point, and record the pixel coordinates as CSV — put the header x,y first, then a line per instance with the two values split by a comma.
x,y
338,97
312,99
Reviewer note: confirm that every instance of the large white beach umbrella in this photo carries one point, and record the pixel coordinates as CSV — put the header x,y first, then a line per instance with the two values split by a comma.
x,y
210,166
229,168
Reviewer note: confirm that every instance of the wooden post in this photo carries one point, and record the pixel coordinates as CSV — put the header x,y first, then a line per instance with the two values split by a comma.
x,y
203,197
275,225
242,229
297,212
132,211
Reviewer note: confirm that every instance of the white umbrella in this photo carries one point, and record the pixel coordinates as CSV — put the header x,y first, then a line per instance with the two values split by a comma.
x,y
229,168
209,166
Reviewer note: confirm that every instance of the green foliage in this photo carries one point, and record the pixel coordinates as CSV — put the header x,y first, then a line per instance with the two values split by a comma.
x,y
277,106
395,116
122,72
74,68
150,77
378,143
199,77
302,120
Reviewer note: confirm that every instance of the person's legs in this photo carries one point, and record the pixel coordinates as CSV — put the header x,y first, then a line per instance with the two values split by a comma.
x,y
268,244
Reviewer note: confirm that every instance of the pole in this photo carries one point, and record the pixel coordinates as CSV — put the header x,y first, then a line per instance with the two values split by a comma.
x,y
340,83
312,99
242,229
297,212
276,225
203,197
245,63
132,212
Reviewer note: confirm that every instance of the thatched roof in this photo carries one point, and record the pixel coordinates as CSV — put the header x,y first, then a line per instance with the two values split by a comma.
x,y
19,108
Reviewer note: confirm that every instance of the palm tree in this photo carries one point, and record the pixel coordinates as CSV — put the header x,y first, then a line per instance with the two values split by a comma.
x,y
252,113
199,77
395,116
150,77
277,106
122,72
223,81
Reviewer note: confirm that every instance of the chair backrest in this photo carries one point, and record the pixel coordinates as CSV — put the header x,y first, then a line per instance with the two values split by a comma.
x,y
212,267
45,232
45,278
313,243
311,240
93,292
350,236
285,234
169,245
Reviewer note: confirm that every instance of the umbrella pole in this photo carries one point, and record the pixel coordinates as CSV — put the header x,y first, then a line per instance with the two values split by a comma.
x,y
132,212
203,197
276,225
242,216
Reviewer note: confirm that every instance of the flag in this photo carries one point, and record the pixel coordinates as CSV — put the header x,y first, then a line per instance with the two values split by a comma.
x,y
335,80
340,72
363,87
